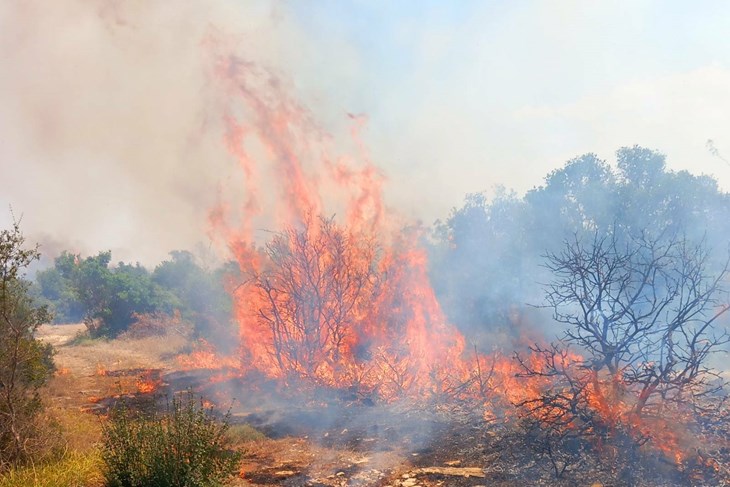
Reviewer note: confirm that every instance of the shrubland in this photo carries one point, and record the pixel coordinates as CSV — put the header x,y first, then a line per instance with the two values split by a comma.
x,y
626,261
111,298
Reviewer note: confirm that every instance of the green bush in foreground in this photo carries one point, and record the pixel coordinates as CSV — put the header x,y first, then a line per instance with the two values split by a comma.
x,y
184,446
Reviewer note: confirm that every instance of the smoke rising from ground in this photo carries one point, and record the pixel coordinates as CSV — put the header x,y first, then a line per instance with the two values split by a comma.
x,y
111,129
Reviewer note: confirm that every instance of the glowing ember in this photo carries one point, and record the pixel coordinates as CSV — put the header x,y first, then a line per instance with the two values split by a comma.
x,y
149,382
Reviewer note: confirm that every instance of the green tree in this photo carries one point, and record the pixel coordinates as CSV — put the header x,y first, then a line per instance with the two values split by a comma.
x,y
488,258
25,363
581,196
55,285
201,294
112,295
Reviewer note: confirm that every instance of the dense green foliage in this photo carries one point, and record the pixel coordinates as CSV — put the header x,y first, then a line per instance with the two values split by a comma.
x,y
488,258
108,298
185,446
201,295
25,363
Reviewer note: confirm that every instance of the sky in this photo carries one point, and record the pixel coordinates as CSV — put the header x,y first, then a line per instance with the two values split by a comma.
x,y
110,135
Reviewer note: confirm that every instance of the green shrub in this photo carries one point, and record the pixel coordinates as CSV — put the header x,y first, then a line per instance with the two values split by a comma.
x,y
25,362
184,446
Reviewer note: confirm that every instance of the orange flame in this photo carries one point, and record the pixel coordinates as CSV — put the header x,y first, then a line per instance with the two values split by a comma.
x,y
411,349
149,382
395,341
205,357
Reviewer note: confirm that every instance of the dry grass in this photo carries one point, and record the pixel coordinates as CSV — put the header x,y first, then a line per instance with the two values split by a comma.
x,y
74,469
85,374
79,353
81,432
242,434
93,369
89,370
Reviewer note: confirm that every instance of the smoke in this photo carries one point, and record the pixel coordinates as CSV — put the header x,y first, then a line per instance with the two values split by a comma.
x,y
111,130
112,135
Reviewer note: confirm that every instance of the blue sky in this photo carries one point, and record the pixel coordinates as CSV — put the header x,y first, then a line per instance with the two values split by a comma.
x,y
502,92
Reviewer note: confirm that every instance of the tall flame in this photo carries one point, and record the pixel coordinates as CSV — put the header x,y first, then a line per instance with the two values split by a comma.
x,y
400,323
380,329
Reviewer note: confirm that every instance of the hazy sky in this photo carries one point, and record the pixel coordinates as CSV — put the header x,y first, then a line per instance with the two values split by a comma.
x,y
109,135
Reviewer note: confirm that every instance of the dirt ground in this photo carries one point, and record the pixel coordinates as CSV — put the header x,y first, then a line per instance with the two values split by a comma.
x,y
88,370
304,443
91,372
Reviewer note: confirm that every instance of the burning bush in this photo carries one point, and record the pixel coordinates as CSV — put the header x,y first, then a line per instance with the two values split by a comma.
x,y
643,311
316,290
329,305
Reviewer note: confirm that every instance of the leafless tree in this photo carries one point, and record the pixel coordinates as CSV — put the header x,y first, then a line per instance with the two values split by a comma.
x,y
642,313
317,285
643,310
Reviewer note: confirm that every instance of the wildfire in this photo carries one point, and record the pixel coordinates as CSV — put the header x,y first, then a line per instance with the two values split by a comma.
x,y
149,382
205,357
371,320
101,370
347,303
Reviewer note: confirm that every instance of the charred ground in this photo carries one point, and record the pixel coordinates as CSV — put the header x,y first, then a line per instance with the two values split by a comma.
x,y
325,437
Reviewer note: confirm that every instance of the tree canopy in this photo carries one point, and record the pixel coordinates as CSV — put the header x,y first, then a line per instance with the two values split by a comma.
x,y
489,254
107,298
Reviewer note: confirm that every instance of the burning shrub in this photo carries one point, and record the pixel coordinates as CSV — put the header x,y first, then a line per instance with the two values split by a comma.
x,y
568,416
185,446
327,306
314,295
643,312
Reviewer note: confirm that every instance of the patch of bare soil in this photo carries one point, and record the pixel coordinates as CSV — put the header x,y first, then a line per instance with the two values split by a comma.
x,y
90,370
